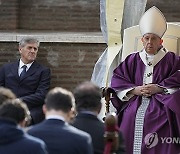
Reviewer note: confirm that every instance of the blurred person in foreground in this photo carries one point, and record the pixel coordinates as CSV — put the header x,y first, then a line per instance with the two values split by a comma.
x,y
88,104
59,136
14,114
5,94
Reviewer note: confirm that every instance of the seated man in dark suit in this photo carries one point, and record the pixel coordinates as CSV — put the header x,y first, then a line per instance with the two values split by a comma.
x,y
12,138
27,79
59,136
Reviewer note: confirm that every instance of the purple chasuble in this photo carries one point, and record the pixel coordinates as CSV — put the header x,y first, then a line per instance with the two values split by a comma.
x,y
163,113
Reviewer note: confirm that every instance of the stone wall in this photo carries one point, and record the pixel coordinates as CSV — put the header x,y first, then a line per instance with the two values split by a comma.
x,y
9,10
52,15
70,63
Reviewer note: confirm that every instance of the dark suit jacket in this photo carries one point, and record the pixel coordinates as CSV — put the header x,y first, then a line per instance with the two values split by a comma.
x,y
62,138
96,128
32,88
92,125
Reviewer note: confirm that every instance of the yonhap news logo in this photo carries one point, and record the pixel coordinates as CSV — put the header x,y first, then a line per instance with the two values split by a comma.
x,y
152,139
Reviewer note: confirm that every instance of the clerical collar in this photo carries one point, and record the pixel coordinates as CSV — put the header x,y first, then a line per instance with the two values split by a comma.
x,y
155,59
149,55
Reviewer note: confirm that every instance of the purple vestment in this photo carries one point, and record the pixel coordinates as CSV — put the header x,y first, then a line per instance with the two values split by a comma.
x,y
163,113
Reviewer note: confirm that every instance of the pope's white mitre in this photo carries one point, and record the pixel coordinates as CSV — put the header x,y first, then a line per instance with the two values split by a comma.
x,y
153,21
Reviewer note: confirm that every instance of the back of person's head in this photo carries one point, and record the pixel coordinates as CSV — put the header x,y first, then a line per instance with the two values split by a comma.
x,y
6,94
28,40
59,99
88,97
15,110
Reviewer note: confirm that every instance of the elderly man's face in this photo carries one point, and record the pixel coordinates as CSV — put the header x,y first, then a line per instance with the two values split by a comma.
x,y
28,52
151,43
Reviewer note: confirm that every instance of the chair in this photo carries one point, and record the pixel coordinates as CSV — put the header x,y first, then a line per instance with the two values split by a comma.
x,y
132,39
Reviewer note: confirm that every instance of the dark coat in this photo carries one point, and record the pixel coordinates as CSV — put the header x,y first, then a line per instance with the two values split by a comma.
x,y
32,88
14,141
96,128
92,125
62,138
